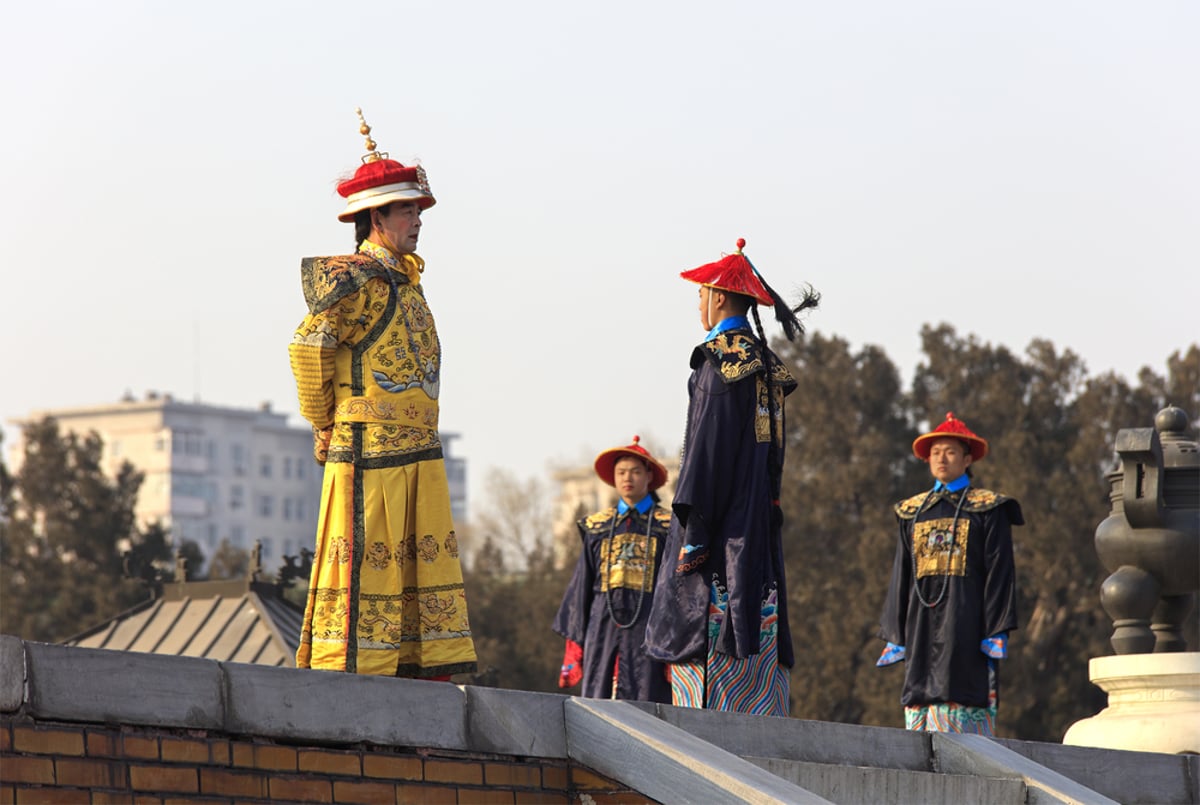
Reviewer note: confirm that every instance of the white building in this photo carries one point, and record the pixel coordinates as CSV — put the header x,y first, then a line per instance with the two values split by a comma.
x,y
214,473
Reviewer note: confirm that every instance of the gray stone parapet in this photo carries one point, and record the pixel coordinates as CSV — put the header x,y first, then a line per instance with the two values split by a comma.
x,y
667,753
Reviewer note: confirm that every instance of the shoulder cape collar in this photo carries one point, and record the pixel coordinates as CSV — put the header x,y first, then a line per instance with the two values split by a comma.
x,y
978,500
327,279
602,520
737,354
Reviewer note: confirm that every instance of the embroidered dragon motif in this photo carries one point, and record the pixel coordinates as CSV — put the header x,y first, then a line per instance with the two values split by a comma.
x,y
978,500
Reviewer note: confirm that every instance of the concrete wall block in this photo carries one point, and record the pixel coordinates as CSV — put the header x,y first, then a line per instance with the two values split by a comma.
x,y
121,687
514,722
1135,778
810,741
12,673
665,763
861,784
300,704
979,755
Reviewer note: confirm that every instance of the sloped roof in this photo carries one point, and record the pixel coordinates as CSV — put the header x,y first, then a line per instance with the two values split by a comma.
x,y
235,621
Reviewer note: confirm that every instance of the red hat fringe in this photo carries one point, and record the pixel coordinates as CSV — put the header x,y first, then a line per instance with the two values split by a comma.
x,y
952,428
736,274
606,463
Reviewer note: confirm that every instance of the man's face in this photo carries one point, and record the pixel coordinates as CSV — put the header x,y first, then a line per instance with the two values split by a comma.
x,y
400,223
948,459
632,479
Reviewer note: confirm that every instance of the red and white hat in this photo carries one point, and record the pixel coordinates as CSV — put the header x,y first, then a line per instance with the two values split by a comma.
x,y
380,181
733,273
606,463
951,429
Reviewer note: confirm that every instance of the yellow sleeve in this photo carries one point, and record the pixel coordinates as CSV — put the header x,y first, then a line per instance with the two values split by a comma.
x,y
317,340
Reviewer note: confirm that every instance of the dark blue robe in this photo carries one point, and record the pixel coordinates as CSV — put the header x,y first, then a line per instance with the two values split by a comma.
x,y
973,580
601,589
725,506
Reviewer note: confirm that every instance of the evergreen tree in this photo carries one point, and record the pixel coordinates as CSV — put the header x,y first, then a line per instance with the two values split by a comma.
x,y
1051,429
847,426
63,532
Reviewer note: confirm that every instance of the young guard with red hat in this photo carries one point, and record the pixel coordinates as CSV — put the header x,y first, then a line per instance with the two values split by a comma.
x,y
720,616
604,611
952,599
386,595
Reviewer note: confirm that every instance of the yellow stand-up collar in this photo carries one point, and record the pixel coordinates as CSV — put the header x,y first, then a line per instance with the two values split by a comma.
x,y
410,265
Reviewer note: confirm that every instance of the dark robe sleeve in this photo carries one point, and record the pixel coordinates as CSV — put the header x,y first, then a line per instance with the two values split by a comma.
x,y
722,488
895,606
721,416
1000,583
677,628
572,619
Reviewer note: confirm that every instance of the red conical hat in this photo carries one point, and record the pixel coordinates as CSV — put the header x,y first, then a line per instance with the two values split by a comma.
x,y
950,429
731,273
607,461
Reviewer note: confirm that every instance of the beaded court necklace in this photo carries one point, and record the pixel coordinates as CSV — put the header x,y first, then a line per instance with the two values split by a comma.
x,y
645,571
953,534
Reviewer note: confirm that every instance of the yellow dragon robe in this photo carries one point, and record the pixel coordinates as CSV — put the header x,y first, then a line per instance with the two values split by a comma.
x,y
386,594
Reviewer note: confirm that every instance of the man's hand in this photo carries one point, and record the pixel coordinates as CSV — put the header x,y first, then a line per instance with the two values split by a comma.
x,y
321,437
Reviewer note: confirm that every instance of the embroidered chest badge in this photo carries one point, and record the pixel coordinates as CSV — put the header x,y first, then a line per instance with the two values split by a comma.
x,y
629,561
940,547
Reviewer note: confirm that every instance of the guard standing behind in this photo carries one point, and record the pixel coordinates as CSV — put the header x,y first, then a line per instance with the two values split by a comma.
x,y
604,611
952,599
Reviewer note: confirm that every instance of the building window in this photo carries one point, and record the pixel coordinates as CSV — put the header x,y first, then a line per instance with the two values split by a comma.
x,y
237,496
237,535
265,505
300,468
287,466
287,508
264,467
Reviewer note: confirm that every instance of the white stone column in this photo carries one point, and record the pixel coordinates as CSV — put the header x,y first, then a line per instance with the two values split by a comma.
x,y
1153,704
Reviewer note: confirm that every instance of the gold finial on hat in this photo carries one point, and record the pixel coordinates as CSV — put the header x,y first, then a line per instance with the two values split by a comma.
x,y
365,131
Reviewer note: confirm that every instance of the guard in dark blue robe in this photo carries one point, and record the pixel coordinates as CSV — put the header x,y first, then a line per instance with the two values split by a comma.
x,y
952,599
720,615
607,604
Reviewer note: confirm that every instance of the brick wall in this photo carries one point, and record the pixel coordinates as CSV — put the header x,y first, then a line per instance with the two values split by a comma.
x,y
43,762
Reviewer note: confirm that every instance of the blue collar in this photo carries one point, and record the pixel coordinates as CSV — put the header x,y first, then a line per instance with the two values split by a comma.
x,y
731,323
644,505
959,483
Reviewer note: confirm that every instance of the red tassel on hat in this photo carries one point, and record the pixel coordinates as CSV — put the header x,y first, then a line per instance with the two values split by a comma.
x,y
732,273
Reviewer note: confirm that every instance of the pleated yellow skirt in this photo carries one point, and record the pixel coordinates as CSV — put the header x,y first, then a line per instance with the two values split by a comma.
x,y
386,594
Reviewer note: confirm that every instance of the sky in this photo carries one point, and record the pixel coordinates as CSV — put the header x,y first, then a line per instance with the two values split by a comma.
x,y
1018,170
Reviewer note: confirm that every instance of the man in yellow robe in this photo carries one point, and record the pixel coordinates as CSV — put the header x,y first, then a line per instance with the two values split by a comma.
x,y
386,594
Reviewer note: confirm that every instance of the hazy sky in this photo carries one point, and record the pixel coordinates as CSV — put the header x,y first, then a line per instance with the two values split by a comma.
x,y
1019,170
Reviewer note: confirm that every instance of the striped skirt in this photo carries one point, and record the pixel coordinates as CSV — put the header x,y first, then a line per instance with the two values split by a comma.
x,y
757,684
951,717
